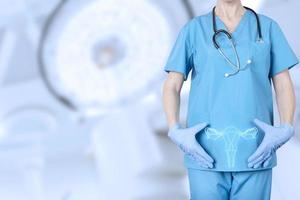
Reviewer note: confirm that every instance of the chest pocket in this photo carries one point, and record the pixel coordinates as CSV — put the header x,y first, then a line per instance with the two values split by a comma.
x,y
261,57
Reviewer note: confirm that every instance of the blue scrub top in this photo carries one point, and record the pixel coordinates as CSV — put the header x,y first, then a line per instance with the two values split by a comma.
x,y
229,104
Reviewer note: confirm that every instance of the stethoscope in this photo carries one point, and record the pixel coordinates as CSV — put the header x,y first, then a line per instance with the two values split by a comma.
x,y
237,67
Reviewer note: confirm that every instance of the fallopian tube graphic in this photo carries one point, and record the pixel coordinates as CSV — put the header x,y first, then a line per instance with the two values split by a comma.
x,y
231,136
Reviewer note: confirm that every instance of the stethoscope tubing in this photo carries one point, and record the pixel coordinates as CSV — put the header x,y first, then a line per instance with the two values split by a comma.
x,y
216,32
237,66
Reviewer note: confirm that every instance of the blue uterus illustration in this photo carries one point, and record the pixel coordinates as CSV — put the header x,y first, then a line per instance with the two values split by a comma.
x,y
231,136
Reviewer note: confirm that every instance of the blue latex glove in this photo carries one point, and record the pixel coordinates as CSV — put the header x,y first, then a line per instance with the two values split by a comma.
x,y
185,138
274,138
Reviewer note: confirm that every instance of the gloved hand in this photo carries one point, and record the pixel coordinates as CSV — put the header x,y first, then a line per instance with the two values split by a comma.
x,y
185,138
274,138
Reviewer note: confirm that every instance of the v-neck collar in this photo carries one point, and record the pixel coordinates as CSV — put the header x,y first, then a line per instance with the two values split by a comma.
x,y
237,28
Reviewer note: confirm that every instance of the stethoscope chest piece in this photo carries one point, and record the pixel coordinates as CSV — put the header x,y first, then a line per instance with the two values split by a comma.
x,y
249,61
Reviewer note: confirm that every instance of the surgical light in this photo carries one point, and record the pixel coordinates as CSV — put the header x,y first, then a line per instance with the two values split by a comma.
x,y
99,54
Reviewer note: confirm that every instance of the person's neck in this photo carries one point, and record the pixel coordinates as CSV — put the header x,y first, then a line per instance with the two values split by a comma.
x,y
229,10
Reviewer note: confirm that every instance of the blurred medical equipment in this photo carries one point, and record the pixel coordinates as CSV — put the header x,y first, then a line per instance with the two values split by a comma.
x,y
101,67
237,67
78,56
22,131
56,147
139,165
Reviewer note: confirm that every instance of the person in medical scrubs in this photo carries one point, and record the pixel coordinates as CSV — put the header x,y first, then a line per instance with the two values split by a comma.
x,y
234,57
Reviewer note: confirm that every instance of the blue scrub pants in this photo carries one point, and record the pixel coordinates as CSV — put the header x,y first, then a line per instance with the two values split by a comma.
x,y
213,185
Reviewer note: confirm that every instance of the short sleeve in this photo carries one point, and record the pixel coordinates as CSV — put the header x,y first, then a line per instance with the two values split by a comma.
x,y
179,59
282,55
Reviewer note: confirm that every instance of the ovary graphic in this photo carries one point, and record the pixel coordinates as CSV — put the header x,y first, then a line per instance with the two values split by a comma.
x,y
231,136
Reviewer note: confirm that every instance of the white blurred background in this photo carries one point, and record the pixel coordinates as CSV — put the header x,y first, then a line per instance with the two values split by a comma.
x,y
80,99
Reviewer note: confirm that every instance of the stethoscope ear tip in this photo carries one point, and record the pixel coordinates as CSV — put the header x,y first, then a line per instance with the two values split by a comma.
x,y
226,75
